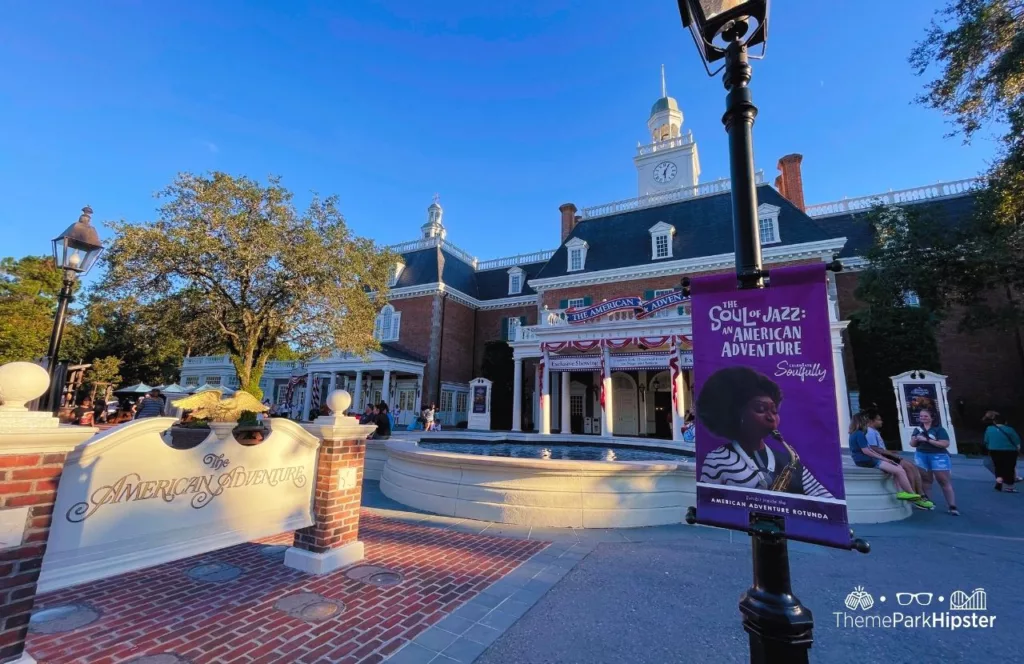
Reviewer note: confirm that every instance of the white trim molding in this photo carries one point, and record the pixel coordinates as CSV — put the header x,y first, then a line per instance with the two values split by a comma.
x,y
823,250
572,246
657,231
460,297
769,215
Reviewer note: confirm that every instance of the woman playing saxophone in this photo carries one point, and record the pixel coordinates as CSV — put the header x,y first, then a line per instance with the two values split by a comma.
x,y
741,406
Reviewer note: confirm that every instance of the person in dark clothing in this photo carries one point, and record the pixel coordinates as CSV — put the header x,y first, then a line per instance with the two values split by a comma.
x,y
151,406
99,411
382,421
83,415
369,415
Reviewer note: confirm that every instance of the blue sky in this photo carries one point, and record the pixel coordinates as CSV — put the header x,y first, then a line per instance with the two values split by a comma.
x,y
506,109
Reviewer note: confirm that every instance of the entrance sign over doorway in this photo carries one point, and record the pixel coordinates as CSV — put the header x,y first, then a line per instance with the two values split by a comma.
x,y
767,438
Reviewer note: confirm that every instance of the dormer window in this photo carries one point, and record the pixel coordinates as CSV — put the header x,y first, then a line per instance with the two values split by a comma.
x,y
515,281
396,272
661,240
577,254
768,223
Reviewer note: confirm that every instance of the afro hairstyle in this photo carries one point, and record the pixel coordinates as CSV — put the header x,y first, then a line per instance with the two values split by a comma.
x,y
726,392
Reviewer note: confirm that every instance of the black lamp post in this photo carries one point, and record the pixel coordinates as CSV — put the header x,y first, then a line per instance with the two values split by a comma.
x,y
779,627
74,252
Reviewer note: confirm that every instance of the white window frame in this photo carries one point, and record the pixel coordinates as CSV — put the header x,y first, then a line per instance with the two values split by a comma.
x,y
575,302
212,380
658,293
388,325
191,381
661,231
768,218
233,381
911,299
462,402
396,273
513,326
576,247
515,280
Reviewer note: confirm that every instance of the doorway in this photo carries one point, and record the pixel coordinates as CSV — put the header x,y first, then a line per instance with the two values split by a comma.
x,y
624,407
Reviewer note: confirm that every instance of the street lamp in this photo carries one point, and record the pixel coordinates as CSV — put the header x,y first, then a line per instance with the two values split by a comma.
x,y
74,252
723,28
779,627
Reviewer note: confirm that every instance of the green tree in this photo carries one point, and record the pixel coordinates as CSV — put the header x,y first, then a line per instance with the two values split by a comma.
x,y
265,274
104,372
975,51
888,335
28,302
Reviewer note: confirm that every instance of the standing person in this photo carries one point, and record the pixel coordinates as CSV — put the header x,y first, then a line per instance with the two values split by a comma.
x,y
1003,445
873,423
428,417
931,444
382,421
151,406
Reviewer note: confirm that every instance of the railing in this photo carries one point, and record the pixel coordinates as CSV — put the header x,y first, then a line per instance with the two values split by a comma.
x,y
459,253
658,146
282,365
653,200
525,333
207,360
521,259
927,192
430,243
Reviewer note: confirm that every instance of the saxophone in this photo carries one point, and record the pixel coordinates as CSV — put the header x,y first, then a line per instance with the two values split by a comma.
x,y
782,480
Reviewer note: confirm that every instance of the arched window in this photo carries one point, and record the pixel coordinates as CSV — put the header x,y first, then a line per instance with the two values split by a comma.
x,y
388,323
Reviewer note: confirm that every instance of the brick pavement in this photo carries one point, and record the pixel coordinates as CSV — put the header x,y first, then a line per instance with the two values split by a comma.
x,y
163,610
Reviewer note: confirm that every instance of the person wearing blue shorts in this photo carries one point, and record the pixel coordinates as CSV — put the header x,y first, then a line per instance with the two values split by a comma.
x,y
931,455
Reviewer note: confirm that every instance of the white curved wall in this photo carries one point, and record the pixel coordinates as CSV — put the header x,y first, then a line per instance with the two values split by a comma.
x,y
577,494
373,461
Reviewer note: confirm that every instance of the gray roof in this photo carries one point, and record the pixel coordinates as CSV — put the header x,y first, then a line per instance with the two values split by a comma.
x,y
859,234
394,352
703,228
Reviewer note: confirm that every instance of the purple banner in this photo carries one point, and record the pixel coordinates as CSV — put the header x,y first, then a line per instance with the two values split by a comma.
x,y
767,422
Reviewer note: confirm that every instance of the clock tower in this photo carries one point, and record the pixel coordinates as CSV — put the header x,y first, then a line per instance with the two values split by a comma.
x,y
670,161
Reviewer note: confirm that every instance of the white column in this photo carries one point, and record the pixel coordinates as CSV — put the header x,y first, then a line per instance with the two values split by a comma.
x,y
545,398
607,415
419,396
307,398
839,371
357,398
333,385
385,390
566,420
517,396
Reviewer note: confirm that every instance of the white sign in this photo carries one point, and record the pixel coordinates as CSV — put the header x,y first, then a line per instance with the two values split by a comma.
x,y
127,500
575,362
479,404
651,360
922,390
12,526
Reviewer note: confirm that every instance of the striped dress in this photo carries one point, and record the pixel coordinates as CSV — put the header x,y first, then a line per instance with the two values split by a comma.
x,y
726,466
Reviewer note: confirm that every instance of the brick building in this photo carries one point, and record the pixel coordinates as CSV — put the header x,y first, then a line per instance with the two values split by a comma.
x,y
445,306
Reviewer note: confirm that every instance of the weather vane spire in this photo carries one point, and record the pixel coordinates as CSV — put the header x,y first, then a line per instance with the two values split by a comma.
x,y
663,92
437,198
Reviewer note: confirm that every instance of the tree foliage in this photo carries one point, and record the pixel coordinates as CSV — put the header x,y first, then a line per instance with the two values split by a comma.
x,y
104,372
264,274
975,49
28,301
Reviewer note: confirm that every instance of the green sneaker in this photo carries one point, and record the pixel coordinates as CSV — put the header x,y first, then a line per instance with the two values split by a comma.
x,y
924,504
903,495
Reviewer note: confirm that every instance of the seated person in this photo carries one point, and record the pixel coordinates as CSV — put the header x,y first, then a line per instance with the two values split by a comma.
x,y
867,456
83,415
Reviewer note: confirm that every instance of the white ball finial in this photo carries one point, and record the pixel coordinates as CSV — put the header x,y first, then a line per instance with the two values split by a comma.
x,y
339,401
21,382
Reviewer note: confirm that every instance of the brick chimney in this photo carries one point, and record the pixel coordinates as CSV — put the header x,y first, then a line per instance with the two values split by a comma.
x,y
569,218
791,183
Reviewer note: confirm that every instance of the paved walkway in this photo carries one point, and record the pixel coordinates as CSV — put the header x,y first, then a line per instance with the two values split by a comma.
x,y
496,594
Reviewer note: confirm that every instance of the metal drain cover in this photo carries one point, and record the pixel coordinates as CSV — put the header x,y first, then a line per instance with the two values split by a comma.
x,y
274,551
385,579
374,575
310,607
62,618
214,572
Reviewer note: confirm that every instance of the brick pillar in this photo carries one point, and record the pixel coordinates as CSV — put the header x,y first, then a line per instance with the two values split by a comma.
x,y
332,541
33,447
792,180
569,218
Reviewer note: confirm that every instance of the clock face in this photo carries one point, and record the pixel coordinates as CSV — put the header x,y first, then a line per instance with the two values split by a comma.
x,y
664,172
